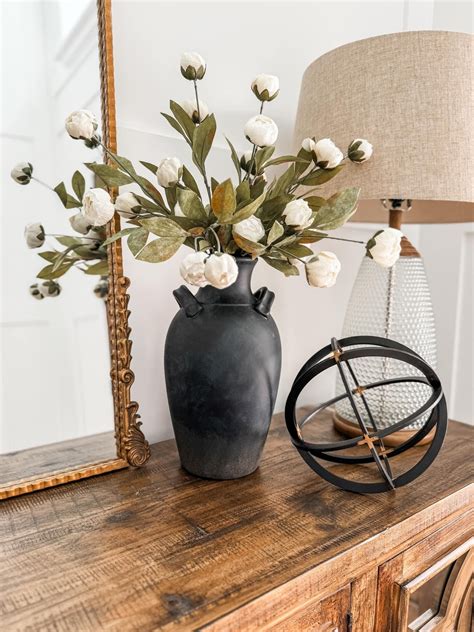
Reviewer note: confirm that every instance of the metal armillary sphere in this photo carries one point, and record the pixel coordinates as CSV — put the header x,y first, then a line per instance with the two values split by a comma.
x,y
372,434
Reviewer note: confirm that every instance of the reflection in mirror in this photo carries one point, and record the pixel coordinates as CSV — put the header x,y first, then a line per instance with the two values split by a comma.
x,y
57,406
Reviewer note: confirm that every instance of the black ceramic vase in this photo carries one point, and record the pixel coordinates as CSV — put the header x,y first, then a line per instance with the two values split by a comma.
x,y
222,368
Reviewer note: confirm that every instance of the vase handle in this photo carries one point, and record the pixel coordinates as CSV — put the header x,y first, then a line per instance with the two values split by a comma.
x,y
186,299
263,301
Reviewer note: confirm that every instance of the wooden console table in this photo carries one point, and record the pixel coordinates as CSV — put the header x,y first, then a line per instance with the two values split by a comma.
x,y
157,549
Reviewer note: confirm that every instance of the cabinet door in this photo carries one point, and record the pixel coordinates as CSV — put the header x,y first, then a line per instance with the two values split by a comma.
x,y
428,588
329,615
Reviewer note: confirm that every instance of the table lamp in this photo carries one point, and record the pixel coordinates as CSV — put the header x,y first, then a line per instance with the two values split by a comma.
x,y
411,95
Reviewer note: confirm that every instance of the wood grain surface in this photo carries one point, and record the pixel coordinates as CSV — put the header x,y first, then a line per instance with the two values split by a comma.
x,y
156,548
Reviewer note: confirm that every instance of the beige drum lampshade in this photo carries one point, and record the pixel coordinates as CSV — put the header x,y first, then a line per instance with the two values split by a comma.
x,y
411,95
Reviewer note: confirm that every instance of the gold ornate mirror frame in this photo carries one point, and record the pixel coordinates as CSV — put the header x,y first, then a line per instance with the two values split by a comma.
x,y
132,447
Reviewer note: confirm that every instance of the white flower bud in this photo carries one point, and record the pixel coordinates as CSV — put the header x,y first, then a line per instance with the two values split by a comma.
x,y
266,87
82,124
251,229
384,247
80,224
191,109
221,270
261,130
34,235
322,270
328,155
360,150
22,172
49,289
127,205
97,207
169,172
193,66
192,268
298,214
35,293
308,145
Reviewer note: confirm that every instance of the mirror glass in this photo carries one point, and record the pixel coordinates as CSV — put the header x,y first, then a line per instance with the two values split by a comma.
x,y
56,402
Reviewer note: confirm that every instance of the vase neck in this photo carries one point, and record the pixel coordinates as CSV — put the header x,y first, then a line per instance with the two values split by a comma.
x,y
239,292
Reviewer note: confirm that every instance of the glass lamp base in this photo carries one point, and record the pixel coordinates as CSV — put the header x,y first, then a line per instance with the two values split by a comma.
x,y
392,303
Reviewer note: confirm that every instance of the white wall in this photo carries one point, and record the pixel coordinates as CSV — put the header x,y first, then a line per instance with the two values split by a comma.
x,y
239,40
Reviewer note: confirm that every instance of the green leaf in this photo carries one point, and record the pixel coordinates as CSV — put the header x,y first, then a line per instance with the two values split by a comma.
x,y
276,231
214,184
137,240
191,205
251,247
282,265
123,163
283,159
48,273
171,198
65,240
248,210
176,126
189,181
235,159
150,166
202,141
78,184
273,208
315,202
183,119
223,201
243,192
284,181
49,255
110,175
311,236
163,227
298,250
149,189
149,205
160,249
337,210
306,158
118,235
321,176
67,200
261,157
101,268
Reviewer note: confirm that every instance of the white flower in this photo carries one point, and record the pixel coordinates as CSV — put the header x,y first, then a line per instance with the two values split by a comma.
x,y
191,109
49,288
221,270
360,150
322,270
251,229
22,172
34,235
298,214
265,87
192,268
308,145
81,124
328,155
384,247
35,293
79,223
97,207
193,66
169,172
127,205
261,130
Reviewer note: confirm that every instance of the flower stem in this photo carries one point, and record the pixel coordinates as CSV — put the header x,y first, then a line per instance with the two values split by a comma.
x,y
42,183
288,254
203,172
353,241
218,243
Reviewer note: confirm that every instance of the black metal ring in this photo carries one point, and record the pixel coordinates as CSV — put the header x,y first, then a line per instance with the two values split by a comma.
x,y
435,404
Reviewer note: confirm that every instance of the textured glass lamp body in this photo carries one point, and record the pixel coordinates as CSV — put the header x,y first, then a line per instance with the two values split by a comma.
x,y
392,303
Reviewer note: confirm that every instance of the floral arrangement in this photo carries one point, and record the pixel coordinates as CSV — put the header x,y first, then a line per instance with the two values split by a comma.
x,y
252,216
